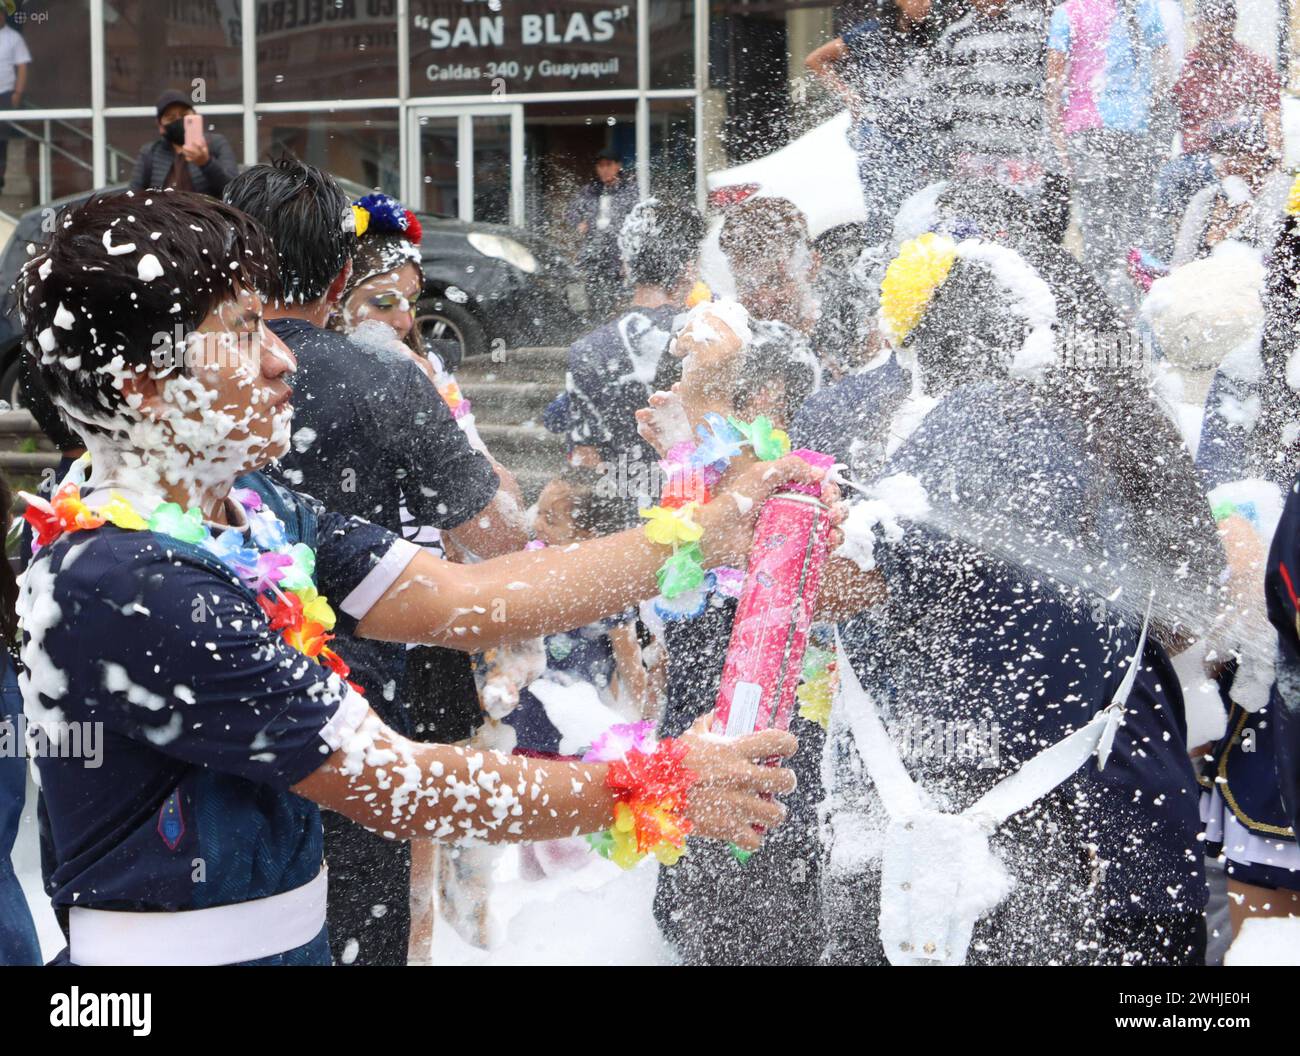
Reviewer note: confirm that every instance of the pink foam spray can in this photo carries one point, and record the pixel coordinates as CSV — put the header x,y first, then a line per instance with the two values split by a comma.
x,y
770,633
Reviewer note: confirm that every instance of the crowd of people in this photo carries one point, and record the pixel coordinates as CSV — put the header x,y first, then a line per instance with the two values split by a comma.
x,y
279,569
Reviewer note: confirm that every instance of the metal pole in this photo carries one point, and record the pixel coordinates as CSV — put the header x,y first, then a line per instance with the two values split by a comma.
x,y
45,179
701,86
248,64
517,165
408,137
465,165
642,103
98,93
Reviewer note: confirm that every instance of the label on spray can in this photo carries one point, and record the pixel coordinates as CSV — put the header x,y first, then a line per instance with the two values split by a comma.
x,y
765,658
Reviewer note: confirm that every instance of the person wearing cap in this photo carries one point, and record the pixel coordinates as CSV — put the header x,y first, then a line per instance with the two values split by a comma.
x,y
167,162
596,215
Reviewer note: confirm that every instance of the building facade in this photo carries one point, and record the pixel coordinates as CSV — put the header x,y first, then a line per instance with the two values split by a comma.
x,y
484,109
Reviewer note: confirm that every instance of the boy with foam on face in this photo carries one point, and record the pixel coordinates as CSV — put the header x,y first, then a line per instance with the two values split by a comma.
x,y
157,597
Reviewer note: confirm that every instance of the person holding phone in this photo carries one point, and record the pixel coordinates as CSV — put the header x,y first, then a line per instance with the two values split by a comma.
x,y
184,157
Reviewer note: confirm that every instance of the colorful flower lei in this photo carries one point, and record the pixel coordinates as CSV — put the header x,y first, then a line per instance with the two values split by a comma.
x,y
650,783
1293,198
457,402
691,470
817,688
920,268
279,573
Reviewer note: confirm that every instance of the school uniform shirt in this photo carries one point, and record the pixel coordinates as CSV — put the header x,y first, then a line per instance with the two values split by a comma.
x,y
990,72
371,436
209,717
711,907
611,374
585,654
849,418
968,640
1242,805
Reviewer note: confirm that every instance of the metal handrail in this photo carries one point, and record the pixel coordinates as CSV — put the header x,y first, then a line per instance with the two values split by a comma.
x,y
54,147
112,150
114,154
48,147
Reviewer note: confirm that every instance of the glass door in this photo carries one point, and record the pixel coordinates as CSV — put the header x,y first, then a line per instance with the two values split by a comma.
x,y
468,162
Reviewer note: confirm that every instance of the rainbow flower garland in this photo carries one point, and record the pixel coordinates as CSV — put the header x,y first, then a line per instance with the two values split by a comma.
x,y
650,783
457,402
691,471
279,573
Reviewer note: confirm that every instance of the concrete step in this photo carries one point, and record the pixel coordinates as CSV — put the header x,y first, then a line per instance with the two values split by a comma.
x,y
28,462
18,423
532,454
522,445
517,365
509,402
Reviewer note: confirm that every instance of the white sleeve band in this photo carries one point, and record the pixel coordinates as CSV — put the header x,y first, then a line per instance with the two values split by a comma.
x,y
346,720
366,593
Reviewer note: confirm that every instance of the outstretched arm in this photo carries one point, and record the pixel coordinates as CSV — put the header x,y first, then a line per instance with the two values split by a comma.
x,y
408,790
524,595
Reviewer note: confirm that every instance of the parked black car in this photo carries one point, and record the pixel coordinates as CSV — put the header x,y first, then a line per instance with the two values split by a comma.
x,y
486,286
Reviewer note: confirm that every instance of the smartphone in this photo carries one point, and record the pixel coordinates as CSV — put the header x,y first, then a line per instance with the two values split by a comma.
x,y
194,131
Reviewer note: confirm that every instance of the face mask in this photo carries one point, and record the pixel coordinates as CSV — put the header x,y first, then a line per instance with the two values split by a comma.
x,y
174,131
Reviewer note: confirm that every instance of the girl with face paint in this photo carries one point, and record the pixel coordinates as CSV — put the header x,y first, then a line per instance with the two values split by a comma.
x,y
438,689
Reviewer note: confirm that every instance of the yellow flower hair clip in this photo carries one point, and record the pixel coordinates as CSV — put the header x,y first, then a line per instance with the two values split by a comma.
x,y
1293,198
920,268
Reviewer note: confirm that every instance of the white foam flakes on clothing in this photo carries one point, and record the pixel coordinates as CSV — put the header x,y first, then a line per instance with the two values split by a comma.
x,y
891,500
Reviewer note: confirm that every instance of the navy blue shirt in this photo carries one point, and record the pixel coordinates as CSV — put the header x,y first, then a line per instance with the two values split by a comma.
x,y
969,638
371,434
850,418
1281,583
582,655
209,718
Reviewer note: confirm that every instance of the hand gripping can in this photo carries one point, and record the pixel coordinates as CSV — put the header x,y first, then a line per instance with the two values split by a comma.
x,y
765,658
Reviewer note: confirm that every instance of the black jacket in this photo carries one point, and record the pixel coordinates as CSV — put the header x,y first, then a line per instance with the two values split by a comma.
x,y
155,161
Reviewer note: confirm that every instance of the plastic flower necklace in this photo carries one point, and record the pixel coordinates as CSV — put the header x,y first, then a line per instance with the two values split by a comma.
x,y
278,572
691,470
